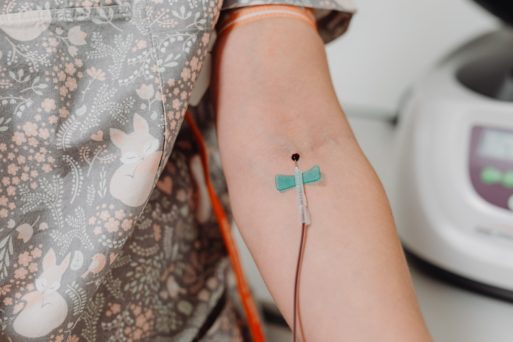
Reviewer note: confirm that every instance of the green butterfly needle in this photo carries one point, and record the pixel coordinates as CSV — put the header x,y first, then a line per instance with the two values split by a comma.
x,y
297,180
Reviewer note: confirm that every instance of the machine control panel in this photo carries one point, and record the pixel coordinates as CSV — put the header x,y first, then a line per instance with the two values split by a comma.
x,y
491,165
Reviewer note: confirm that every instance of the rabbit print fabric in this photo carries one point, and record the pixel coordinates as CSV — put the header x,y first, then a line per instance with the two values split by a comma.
x,y
106,229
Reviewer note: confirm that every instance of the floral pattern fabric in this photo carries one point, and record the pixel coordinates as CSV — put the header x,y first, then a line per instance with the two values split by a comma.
x,y
106,230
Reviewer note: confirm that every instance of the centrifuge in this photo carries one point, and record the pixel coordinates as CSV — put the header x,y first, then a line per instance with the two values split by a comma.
x,y
454,179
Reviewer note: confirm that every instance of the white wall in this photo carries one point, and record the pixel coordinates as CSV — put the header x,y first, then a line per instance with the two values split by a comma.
x,y
392,42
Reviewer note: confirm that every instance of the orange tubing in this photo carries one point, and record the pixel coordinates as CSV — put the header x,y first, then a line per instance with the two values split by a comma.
x,y
248,304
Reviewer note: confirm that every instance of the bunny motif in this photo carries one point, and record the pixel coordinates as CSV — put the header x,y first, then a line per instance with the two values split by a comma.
x,y
133,181
45,309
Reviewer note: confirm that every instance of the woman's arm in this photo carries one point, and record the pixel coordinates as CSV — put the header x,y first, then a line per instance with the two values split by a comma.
x,y
274,98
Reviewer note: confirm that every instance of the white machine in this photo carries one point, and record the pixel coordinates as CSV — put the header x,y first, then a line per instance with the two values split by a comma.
x,y
454,189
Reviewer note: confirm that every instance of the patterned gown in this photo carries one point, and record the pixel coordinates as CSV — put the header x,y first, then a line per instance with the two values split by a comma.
x,y
106,228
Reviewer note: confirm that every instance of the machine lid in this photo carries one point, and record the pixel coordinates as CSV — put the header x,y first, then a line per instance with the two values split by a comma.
x,y
503,9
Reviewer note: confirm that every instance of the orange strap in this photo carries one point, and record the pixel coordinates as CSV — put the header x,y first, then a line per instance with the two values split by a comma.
x,y
245,15
248,304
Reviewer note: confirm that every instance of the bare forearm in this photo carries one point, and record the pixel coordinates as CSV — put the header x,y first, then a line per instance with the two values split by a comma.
x,y
275,98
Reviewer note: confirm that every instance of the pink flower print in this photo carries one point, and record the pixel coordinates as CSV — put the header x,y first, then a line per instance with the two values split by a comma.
x,y
63,112
205,39
39,157
4,290
24,259
71,84
112,225
36,252
78,62
63,91
140,321
194,63
3,201
104,215
126,224
33,141
97,230
12,169
44,133
8,301
6,181
97,74
176,104
11,190
186,74
21,159
76,36
115,308
61,75
19,138
3,147
20,273
48,105
53,118
119,214
136,309
30,128
70,69
4,213
42,226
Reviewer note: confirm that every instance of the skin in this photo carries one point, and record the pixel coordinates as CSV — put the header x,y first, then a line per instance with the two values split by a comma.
x,y
273,97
